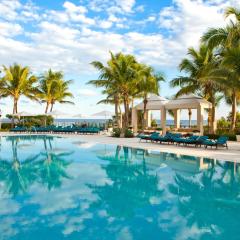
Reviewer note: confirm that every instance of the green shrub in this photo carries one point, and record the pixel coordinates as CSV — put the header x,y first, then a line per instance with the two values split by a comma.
x,y
116,132
36,121
6,126
153,123
128,133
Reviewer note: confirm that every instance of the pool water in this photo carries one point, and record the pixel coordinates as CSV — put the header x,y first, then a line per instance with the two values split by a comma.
x,y
59,188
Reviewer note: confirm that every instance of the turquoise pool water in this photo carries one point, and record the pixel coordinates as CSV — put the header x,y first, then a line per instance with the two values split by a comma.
x,y
56,188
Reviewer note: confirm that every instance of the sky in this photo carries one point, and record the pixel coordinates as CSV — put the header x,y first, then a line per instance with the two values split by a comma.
x,y
69,35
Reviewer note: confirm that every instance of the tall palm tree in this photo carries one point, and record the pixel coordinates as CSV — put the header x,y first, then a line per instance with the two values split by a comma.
x,y
62,93
125,69
225,41
53,88
108,82
199,79
18,81
228,75
111,99
226,37
119,77
148,83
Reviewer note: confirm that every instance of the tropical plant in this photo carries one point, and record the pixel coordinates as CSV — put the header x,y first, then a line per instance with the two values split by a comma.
x,y
118,78
227,37
199,80
53,88
16,82
228,75
124,79
148,83
107,81
225,42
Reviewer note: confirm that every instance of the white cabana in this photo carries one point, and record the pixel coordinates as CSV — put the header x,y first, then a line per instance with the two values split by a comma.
x,y
190,101
154,102
184,102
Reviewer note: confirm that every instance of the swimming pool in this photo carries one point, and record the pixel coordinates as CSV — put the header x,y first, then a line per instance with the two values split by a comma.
x,y
61,188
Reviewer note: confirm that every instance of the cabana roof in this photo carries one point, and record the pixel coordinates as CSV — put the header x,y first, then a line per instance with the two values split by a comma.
x,y
188,101
154,103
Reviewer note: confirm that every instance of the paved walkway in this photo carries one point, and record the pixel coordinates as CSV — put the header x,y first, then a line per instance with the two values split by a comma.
x,y
232,154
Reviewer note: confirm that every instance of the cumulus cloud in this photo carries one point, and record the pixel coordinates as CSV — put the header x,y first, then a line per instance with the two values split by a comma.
x,y
69,39
87,92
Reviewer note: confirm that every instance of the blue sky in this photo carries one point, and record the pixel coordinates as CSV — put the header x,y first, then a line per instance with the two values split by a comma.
x,y
68,35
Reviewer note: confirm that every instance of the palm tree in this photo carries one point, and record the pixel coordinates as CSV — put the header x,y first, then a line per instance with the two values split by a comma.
x,y
62,92
148,83
125,69
108,81
199,79
224,37
228,75
226,41
18,81
111,99
53,88
118,77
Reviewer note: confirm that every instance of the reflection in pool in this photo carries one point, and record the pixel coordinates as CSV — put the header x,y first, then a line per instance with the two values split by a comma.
x,y
55,188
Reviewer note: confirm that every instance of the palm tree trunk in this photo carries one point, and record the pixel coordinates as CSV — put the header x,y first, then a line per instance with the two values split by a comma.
x,y
213,113
14,110
47,106
51,107
126,115
234,110
145,113
120,116
116,100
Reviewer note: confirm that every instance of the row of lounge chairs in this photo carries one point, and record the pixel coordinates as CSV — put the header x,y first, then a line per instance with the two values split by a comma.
x,y
178,139
58,129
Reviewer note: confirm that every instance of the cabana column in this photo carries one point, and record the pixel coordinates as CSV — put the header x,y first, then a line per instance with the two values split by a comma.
x,y
200,111
149,119
177,118
163,120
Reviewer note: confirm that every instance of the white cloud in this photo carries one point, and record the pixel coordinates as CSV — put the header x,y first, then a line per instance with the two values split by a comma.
x,y
10,29
72,37
8,9
105,24
72,8
87,92
126,5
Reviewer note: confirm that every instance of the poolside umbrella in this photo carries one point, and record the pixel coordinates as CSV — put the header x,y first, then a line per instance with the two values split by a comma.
x,y
105,114
81,116
23,114
55,114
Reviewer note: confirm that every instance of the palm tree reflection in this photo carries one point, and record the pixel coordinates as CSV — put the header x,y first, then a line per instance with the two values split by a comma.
x,y
210,199
48,168
129,187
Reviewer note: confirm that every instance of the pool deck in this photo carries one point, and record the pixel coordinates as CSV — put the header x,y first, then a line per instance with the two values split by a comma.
x,y
231,154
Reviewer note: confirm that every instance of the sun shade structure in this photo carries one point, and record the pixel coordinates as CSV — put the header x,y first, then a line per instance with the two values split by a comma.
x,y
23,114
154,102
81,116
188,102
55,113
103,114
176,105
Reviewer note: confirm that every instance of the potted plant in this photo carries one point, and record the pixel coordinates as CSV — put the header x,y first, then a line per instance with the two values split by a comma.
x,y
238,135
